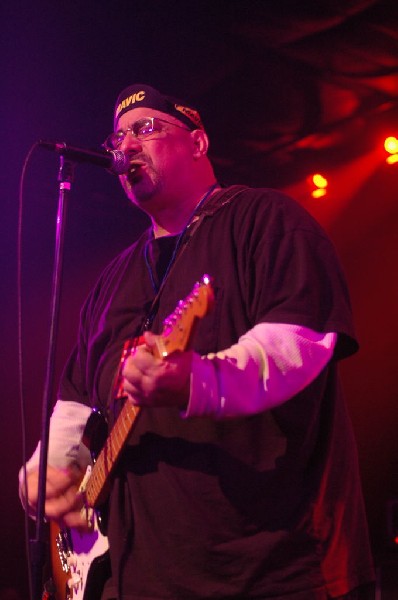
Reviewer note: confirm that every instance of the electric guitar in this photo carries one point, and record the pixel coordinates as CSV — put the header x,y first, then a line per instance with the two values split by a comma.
x,y
80,563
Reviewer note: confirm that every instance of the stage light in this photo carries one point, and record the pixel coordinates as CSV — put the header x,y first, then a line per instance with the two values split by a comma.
x,y
318,193
320,181
318,184
391,147
392,159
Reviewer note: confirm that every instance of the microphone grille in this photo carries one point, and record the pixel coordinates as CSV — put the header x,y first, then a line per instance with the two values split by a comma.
x,y
120,162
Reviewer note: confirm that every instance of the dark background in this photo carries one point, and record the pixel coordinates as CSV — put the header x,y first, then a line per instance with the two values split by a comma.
x,y
285,89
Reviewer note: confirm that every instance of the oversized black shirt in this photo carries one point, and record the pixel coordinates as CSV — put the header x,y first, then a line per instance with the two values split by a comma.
x,y
255,507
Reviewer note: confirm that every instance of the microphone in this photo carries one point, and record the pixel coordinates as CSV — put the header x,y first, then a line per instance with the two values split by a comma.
x,y
115,161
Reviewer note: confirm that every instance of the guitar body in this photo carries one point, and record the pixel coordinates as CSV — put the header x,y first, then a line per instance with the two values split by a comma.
x,y
80,562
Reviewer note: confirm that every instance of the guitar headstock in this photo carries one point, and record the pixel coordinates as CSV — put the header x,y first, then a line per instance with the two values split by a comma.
x,y
178,327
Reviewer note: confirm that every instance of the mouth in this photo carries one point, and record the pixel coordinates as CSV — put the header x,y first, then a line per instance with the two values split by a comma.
x,y
134,170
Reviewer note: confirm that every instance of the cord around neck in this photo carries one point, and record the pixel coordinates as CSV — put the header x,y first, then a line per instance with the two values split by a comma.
x,y
158,289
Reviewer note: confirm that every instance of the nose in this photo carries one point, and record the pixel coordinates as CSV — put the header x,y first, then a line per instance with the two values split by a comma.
x,y
131,144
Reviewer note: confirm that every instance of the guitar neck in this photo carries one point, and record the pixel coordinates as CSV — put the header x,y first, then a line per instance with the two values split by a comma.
x,y
96,489
177,332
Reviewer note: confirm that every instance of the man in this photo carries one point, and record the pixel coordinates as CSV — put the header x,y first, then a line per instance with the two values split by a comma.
x,y
240,477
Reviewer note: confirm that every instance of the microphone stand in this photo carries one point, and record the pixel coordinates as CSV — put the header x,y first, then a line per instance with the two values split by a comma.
x,y
38,546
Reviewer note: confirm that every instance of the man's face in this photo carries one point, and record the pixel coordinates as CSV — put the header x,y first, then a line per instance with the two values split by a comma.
x,y
159,162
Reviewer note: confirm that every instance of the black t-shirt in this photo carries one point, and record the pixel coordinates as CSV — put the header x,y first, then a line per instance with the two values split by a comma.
x,y
255,507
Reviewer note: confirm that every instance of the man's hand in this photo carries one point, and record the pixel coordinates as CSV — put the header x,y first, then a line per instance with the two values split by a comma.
x,y
63,503
151,381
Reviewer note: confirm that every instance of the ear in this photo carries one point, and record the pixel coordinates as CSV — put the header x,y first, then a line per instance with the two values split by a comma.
x,y
200,143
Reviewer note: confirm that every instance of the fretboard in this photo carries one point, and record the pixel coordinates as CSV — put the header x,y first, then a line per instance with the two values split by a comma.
x,y
96,489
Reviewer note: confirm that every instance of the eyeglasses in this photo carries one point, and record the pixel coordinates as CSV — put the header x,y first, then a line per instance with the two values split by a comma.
x,y
141,129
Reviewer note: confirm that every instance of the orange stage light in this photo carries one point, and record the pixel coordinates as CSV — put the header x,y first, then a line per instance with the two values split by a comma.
x,y
320,181
318,184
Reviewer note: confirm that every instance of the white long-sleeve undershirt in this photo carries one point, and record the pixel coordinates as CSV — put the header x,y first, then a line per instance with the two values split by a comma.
x,y
270,364
65,448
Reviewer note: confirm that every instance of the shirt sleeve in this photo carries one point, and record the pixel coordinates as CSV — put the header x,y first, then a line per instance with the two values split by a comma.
x,y
65,447
270,364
